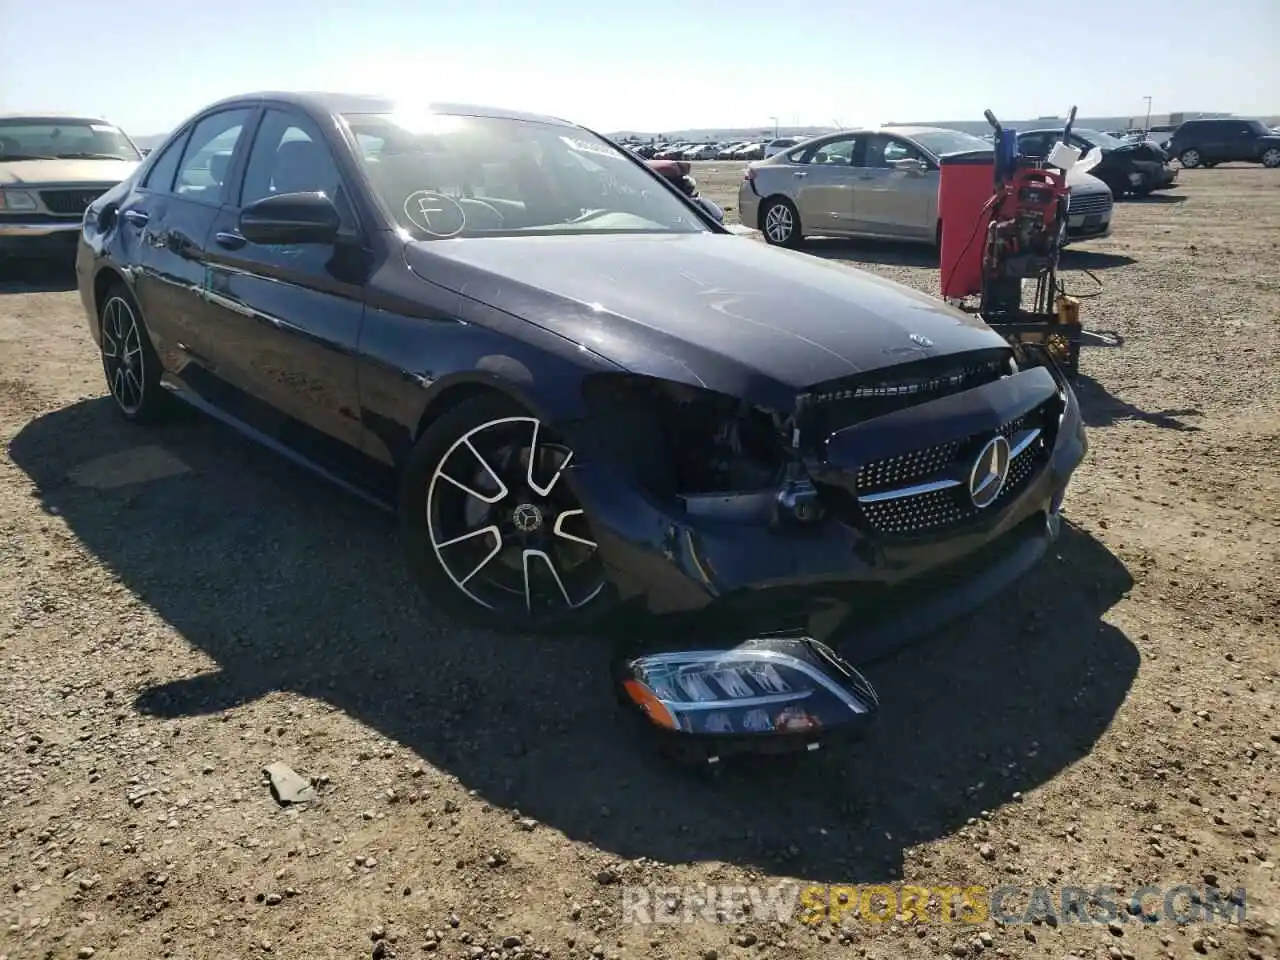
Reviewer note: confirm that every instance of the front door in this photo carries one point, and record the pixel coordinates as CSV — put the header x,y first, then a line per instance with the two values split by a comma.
x,y
824,180
892,202
1218,141
289,316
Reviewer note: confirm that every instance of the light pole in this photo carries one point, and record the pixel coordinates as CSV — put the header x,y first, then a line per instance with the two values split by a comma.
x,y
1147,128
775,127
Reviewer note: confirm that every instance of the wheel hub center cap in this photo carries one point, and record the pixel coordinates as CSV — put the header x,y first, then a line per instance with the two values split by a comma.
x,y
526,517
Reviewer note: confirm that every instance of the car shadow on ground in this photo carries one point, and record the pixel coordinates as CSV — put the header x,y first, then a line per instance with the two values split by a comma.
x,y
37,276
883,252
1101,408
1073,258
288,584
1160,198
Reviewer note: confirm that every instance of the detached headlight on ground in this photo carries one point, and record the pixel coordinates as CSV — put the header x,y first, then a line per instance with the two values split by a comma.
x,y
767,695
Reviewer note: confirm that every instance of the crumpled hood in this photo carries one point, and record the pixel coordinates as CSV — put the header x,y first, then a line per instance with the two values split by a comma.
x,y
45,172
725,312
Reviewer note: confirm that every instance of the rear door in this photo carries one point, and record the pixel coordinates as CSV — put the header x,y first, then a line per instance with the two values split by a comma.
x,y
1241,142
893,202
287,318
822,185
167,223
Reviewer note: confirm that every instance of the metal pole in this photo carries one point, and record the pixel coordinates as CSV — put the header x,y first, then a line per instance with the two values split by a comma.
x,y
775,127
1147,128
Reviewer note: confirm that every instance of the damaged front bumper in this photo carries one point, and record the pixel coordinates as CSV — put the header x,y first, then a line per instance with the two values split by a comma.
x,y
681,558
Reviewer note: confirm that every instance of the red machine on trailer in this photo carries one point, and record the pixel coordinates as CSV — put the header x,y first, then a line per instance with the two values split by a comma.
x,y
1004,223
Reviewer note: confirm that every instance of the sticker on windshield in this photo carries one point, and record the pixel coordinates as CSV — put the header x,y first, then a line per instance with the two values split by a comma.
x,y
434,213
586,146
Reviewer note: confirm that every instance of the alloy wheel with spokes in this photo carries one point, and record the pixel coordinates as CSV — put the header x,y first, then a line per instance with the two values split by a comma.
x,y
495,527
1189,158
780,223
1271,158
130,364
122,354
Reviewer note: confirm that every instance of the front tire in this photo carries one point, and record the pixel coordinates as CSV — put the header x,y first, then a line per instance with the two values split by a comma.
x,y
1271,158
129,361
780,223
493,529
1189,159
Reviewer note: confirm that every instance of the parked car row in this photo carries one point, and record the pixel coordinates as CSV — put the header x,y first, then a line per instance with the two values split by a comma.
x,y
736,150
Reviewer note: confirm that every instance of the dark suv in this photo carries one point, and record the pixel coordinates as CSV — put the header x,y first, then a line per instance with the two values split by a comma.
x,y
1205,143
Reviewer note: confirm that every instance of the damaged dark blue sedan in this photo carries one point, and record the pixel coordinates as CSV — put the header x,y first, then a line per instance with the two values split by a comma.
x,y
580,391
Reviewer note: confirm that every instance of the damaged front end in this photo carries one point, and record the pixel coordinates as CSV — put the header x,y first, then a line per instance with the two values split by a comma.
x,y
702,453
864,485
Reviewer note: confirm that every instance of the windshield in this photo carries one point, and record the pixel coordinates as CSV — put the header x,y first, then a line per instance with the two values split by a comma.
x,y
39,138
942,142
446,176
1097,138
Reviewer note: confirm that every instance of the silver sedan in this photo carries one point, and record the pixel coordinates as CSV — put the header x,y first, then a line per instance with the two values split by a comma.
x,y
880,184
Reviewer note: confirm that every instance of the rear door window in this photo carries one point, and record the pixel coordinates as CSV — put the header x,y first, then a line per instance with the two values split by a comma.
x,y
160,176
206,163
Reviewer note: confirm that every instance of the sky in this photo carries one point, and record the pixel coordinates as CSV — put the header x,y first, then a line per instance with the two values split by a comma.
x,y
650,66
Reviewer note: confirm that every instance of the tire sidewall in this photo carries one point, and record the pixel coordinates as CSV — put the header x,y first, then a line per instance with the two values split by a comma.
x,y
426,568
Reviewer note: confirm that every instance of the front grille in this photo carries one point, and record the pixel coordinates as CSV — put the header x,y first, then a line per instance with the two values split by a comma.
x,y
1088,203
69,203
830,406
941,473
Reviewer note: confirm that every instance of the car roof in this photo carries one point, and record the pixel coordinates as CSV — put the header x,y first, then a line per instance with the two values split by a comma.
x,y
52,117
912,131
339,103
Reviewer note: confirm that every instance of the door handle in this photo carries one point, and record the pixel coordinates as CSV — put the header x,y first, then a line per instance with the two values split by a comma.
x,y
230,239
137,217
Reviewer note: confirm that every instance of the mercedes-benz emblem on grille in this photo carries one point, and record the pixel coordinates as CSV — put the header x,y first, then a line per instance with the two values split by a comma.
x,y
526,517
920,341
989,471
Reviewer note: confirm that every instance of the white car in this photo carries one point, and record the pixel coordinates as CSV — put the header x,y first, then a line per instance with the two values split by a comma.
x,y
51,168
777,146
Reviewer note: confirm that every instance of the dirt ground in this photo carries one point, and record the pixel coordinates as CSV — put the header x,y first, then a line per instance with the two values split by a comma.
x,y
179,609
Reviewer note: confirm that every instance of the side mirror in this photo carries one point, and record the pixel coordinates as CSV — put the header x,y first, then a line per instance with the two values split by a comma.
x,y
291,218
909,165
711,207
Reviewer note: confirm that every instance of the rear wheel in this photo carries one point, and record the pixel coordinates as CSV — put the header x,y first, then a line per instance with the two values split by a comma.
x,y
1189,159
493,528
780,223
129,361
